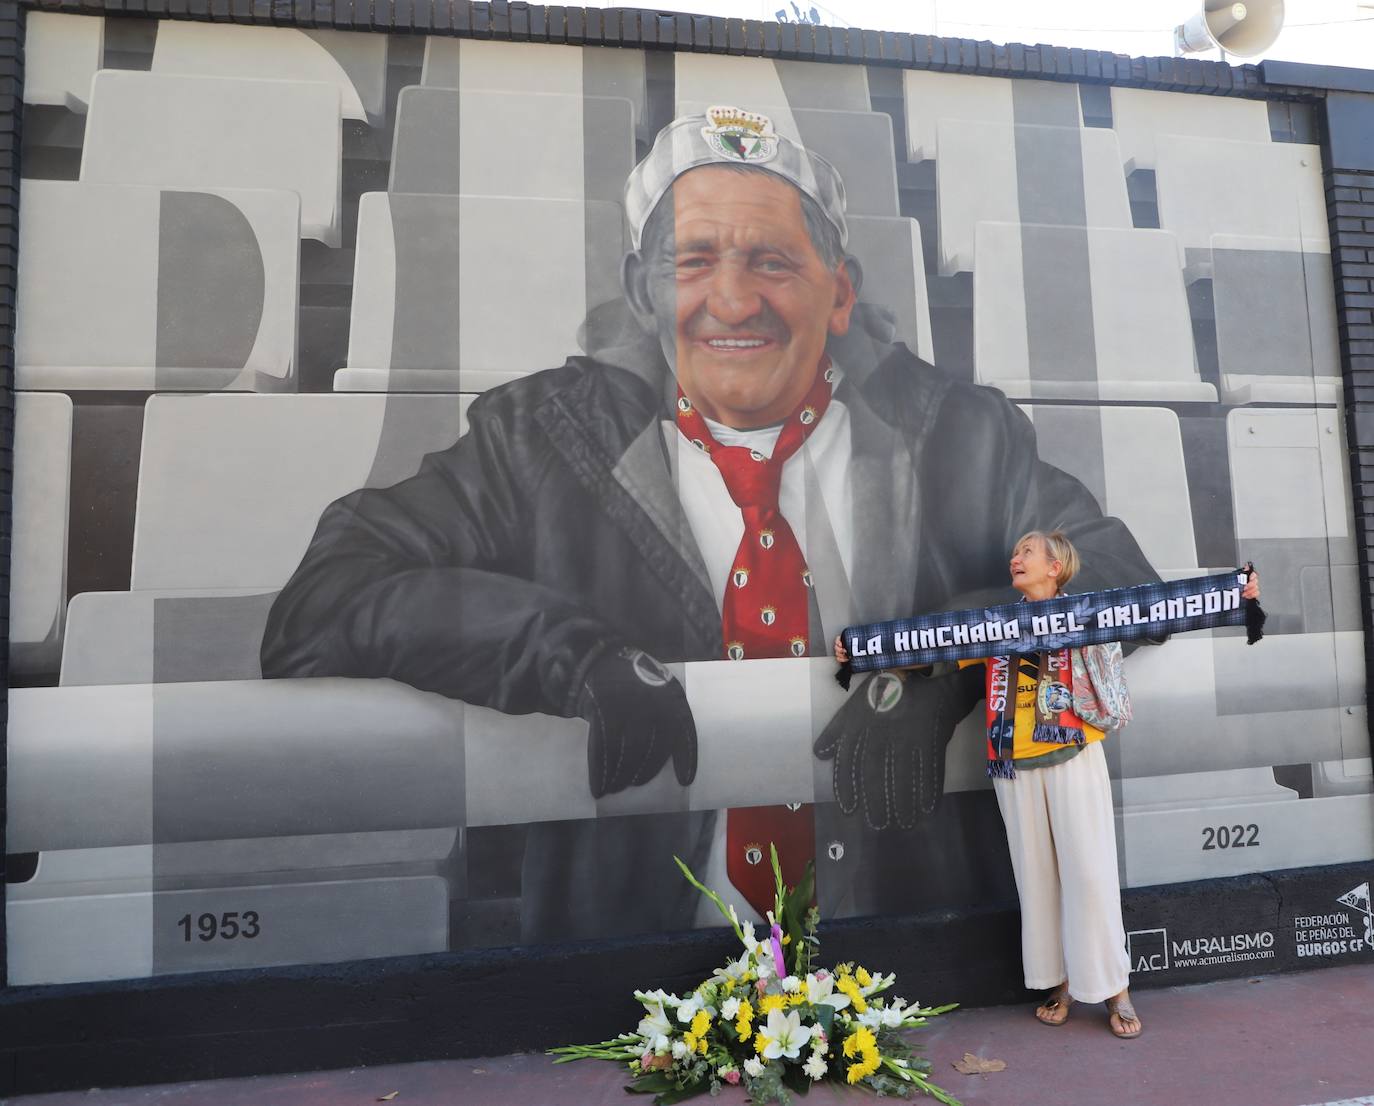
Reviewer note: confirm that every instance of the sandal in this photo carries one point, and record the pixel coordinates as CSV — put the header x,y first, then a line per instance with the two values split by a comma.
x,y
1055,1009
1120,1013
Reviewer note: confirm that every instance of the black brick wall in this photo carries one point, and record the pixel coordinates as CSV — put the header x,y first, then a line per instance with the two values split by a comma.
x,y
1348,164
11,96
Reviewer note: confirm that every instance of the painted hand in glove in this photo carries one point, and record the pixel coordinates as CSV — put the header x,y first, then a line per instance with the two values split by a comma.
x,y
638,717
888,743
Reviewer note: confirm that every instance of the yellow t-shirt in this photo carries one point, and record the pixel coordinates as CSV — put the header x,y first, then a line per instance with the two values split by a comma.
x,y
1022,747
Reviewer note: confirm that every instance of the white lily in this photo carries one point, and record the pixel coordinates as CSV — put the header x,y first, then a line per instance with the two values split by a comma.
x,y
679,1049
751,942
820,991
648,998
753,1067
656,1023
815,1067
734,969
894,1015
786,1035
729,1009
872,1018
689,1006
662,1045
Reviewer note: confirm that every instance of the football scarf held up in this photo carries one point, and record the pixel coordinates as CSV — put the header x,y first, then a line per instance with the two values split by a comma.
x,y
1051,625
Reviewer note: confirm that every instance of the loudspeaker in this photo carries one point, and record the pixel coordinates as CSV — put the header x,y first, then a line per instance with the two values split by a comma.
x,y
1244,29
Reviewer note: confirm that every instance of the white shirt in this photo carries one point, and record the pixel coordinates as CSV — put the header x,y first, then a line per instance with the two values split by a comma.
x,y
717,523
718,526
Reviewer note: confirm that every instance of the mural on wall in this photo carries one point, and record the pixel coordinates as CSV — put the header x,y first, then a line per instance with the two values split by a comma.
x,y
447,463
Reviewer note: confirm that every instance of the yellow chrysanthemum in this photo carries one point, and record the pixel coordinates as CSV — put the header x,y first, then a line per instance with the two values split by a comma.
x,y
796,998
744,1020
846,985
865,980
866,1067
769,1003
760,1041
701,1023
690,1040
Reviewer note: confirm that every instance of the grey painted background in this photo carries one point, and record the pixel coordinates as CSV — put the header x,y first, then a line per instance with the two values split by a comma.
x,y
288,261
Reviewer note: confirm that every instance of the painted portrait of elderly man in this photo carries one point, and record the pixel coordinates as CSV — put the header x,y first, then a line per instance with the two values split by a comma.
x,y
744,461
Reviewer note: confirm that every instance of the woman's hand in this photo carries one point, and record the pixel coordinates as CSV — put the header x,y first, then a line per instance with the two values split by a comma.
x,y
841,653
1252,588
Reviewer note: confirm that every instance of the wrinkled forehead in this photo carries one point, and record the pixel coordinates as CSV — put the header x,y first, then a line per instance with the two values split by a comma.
x,y
721,203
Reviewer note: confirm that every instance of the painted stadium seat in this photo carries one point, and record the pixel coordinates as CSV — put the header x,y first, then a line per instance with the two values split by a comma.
x,y
106,771
1303,540
1109,321
175,290
1210,187
931,97
1276,322
859,144
889,253
309,449
455,142
353,63
202,618
173,131
61,55
989,172
1204,825
1140,116
775,88
474,65
1131,460
429,316
38,556
155,660
128,845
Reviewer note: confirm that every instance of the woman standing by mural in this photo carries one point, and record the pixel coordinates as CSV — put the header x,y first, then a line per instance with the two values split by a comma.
x,y
1050,775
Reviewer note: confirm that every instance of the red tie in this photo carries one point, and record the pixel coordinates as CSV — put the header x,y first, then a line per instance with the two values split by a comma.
x,y
766,613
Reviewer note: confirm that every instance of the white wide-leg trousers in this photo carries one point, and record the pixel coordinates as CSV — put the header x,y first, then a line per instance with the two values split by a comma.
x,y
1062,837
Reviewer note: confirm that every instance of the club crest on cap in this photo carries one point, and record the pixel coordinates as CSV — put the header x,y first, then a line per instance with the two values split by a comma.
x,y
737,135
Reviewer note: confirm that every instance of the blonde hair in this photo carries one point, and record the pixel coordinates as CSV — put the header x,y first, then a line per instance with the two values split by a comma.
x,y
1058,548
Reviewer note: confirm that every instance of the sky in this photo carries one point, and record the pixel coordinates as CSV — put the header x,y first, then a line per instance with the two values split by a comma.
x,y
1329,32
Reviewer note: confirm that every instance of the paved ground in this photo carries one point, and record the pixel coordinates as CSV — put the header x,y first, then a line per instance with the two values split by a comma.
x,y
1285,1040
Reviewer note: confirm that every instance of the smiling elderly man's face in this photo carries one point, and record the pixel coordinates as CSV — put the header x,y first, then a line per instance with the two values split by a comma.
x,y
740,298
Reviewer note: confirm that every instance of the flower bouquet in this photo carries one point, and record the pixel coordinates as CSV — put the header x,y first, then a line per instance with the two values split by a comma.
x,y
771,1020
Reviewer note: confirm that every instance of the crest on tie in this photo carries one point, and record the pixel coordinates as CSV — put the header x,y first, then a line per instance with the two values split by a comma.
x,y
735,651
807,416
766,539
768,615
798,646
684,405
740,577
753,854
757,456
701,445
806,577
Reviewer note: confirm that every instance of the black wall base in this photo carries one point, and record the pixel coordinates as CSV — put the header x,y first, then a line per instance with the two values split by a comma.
x,y
497,1001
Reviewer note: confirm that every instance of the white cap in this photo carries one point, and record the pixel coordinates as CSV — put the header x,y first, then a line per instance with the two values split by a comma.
x,y
734,136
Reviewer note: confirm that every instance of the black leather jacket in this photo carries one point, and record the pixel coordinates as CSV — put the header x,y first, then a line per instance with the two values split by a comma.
x,y
552,531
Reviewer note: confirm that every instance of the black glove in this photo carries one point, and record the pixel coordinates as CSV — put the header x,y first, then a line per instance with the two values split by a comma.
x,y
637,716
888,743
